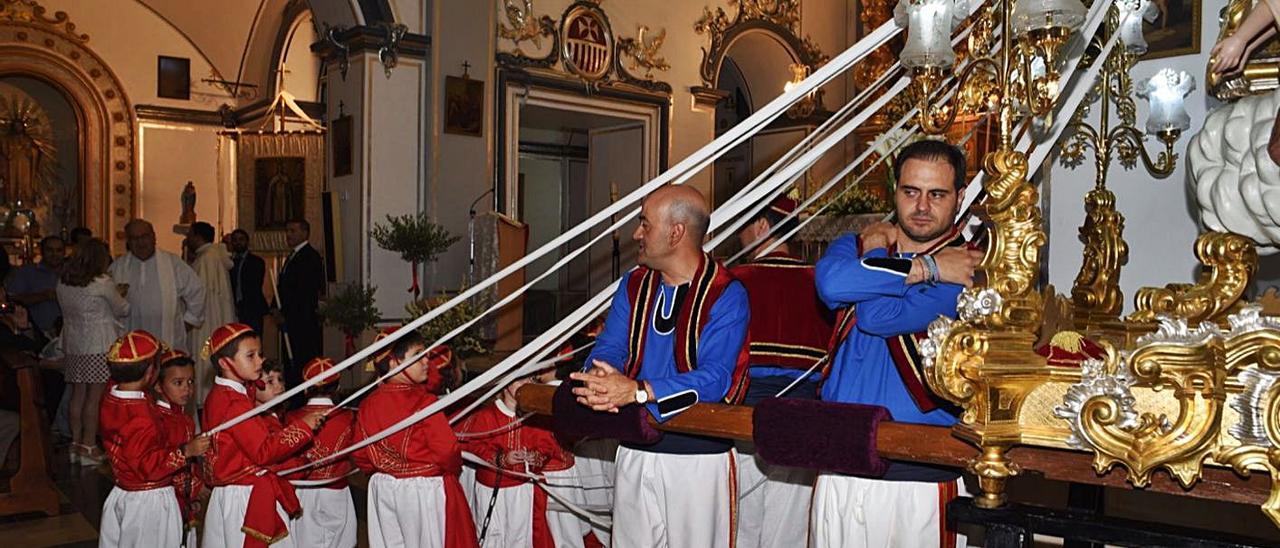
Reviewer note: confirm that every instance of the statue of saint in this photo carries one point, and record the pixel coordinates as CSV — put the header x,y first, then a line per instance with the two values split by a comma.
x,y
188,204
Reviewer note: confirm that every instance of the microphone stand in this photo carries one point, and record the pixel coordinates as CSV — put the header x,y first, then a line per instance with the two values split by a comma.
x,y
471,237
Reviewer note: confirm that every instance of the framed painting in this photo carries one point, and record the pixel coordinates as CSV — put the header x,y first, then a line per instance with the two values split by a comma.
x,y
463,106
1175,30
279,190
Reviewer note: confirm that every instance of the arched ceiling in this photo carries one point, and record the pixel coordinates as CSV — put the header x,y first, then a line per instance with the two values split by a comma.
x,y
238,37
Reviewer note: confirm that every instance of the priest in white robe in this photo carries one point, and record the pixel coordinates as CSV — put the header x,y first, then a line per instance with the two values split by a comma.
x,y
212,265
166,298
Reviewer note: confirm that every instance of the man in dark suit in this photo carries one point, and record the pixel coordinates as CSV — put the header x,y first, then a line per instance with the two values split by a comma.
x,y
247,272
301,282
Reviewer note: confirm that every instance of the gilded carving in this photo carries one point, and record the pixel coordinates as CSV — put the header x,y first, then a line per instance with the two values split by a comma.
x,y
523,26
1012,263
643,51
1096,293
1228,262
1101,407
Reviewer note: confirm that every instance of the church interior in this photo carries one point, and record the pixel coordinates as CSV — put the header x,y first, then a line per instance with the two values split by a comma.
x,y
471,167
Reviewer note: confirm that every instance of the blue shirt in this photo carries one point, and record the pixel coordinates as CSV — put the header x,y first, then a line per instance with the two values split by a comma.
x,y
862,370
720,343
34,278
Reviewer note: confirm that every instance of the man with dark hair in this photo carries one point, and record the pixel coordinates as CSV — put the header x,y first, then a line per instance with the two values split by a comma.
x,y
674,336
212,264
79,234
899,276
247,274
34,285
301,283
789,333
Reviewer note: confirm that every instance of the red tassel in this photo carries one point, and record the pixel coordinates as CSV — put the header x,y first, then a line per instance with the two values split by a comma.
x,y
414,288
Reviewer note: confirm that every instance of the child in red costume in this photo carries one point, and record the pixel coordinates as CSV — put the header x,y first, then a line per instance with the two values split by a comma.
x,y
415,498
174,388
497,435
328,512
250,505
142,509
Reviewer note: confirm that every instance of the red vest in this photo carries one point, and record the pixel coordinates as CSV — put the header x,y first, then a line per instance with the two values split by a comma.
x,y
790,327
709,282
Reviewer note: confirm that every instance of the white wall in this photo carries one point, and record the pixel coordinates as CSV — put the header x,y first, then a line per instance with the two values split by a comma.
x,y
460,167
170,155
129,37
1159,225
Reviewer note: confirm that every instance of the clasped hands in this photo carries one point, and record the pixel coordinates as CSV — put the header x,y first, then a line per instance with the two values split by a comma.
x,y
604,388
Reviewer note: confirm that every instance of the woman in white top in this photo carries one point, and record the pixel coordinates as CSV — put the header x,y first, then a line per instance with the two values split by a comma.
x,y
92,318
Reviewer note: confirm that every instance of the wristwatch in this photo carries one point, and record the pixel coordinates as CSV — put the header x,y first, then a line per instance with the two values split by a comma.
x,y
642,395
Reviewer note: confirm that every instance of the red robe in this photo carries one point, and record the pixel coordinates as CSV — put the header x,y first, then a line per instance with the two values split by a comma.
x,y
187,484
428,448
239,454
337,433
541,450
142,457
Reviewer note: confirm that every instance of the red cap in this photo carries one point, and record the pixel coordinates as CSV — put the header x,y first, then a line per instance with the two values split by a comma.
x,y
172,354
783,205
317,366
386,351
133,347
223,335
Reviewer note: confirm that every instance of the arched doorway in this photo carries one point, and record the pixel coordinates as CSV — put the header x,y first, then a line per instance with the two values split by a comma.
x,y
40,153
36,47
754,70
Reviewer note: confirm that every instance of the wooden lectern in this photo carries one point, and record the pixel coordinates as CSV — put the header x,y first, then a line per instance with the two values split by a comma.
x,y
501,241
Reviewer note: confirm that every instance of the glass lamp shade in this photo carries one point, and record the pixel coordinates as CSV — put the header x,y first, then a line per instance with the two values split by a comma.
x,y
929,24
1029,15
1132,14
1165,91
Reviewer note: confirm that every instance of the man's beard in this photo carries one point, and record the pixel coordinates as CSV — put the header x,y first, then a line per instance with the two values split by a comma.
x,y
923,238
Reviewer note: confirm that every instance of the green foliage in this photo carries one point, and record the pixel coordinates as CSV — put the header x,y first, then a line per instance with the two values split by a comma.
x,y
352,310
467,343
414,237
857,201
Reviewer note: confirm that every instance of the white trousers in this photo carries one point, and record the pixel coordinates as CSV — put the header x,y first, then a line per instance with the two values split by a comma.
x,y
773,502
225,517
594,461
144,519
511,522
850,512
674,500
328,518
567,529
406,512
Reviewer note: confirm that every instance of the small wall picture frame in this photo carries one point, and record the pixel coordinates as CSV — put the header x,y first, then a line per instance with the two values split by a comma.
x,y
173,77
463,106
340,133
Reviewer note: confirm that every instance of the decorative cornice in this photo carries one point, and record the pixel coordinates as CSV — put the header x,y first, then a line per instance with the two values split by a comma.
x,y
157,113
372,38
526,27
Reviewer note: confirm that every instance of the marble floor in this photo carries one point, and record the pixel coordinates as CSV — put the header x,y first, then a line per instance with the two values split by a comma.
x,y
83,490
